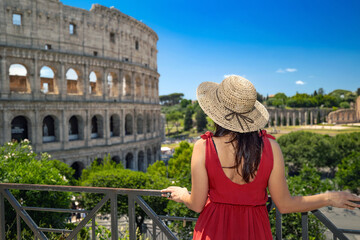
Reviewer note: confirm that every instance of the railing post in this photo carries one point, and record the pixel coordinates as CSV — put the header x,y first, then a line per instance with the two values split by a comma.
x,y
278,224
2,217
18,226
93,236
304,226
131,212
114,219
154,231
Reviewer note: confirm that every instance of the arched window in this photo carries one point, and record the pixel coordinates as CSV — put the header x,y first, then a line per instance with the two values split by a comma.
x,y
47,80
155,154
140,124
138,87
116,159
112,85
141,164
78,167
18,78
48,129
148,156
114,126
93,83
73,129
127,85
94,127
129,159
19,128
148,123
72,81
128,124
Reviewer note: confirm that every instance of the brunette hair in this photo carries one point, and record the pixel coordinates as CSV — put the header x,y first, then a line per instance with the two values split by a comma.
x,y
248,148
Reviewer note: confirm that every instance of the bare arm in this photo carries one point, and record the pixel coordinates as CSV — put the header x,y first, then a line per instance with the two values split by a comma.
x,y
199,179
286,203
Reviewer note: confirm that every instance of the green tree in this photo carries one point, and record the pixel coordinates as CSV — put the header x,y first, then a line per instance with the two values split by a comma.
x,y
308,182
114,175
19,164
173,119
349,172
344,105
188,122
201,121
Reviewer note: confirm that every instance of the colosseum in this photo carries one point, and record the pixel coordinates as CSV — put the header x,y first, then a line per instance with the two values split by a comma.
x,y
79,84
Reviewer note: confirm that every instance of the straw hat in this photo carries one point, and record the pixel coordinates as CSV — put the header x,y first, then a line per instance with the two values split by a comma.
x,y
232,104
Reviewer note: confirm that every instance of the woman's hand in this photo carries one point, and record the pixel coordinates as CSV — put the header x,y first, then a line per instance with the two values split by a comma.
x,y
343,200
177,194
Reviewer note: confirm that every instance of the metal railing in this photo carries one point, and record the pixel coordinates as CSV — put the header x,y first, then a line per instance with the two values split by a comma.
x,y
134,196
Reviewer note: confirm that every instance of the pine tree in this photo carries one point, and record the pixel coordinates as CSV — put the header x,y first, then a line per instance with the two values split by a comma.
x,y
188,122
200,120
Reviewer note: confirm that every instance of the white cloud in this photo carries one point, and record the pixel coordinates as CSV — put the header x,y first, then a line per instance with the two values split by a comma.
x,y
280,70
299,82
291,70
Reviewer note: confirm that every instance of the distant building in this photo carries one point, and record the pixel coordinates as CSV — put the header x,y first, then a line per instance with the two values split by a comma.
x,y
79,84
344,116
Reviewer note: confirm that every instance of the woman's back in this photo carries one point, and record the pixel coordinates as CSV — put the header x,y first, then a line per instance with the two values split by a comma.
x,y
235,209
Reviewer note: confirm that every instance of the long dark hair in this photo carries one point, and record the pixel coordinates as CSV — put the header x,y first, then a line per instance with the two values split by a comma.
x,y
248,148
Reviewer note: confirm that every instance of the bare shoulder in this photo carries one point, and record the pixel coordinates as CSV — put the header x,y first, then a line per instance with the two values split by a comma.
x,y
199,144
274,144
199,150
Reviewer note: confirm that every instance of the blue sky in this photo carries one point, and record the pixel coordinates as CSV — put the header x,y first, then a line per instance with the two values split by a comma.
x,y
281,46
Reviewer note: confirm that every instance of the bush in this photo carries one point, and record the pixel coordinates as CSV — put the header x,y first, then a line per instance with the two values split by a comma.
x,y
19,164
349,172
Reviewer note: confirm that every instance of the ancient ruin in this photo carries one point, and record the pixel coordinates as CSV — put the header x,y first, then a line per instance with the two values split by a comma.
x,y
79,84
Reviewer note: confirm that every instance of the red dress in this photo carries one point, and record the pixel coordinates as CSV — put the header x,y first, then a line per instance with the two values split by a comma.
x,y
235,211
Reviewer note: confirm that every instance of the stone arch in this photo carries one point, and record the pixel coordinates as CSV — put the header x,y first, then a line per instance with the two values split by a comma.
x,y
112,82
116,159
95,87
149,157
127,86
73,82
141,161
19,78
114,125
20,128
50,129
75,128
129,124
129,161
138,85
140,124
78,167
47,80
97,124
148,123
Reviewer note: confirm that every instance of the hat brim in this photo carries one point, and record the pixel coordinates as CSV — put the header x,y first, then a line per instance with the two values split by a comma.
x,y
211,105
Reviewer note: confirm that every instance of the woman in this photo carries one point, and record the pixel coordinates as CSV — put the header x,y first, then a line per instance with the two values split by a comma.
x,y
232,169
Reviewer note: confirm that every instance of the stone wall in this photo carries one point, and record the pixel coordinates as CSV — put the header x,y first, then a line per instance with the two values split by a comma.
x,y
109,105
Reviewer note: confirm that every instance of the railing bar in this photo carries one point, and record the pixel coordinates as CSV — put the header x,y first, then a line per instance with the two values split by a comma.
x,y
18,226
88,217
24,215
148,210
2,216
131,213
334,237
55,230
188,219
304,226
113,213
93,236
329,225
352,231
154,231
278,224
55,210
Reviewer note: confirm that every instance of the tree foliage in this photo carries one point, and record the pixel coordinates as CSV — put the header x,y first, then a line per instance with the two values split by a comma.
x,y
19,164
171,99
348,173
114,175
201,121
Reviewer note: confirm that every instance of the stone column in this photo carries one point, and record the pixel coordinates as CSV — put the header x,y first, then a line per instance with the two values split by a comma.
x,y
281,118
306,117
276,118
294,119
269,122
287,118
135,124
133,86
107,127
35,79
64,134
311,118
121,86
36,131
122,125
62,82
136,164
87,128
105,85
300,122
86,81
4,77
142,89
